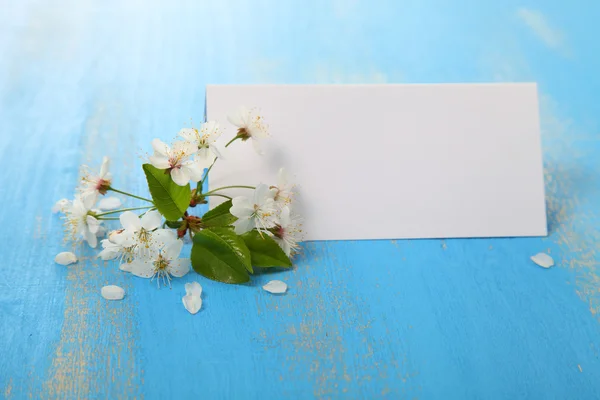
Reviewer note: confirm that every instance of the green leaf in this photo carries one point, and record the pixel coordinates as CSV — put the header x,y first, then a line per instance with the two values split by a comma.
x,y
264,251
221,255
170,199
219,216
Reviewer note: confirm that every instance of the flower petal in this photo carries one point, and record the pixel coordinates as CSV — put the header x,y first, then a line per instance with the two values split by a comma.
x,y
543,260
243,225
260,193
242,207
60,205
159,162
112,292
104,167
193,289
109,203
65,258
192,303
185,149
285,246
92,223
238,117
90,238
275,287
161,237
284,217
180,176
151,220
161,148
218,150
195,170
123,239
110,250
130,221
212,130
180,267
142,268
88,198
189,134
172,249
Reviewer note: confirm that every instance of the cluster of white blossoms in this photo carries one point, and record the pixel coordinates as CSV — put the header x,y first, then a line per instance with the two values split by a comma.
x,y
186,159
150,238
145,249
270,210
141,245
80,213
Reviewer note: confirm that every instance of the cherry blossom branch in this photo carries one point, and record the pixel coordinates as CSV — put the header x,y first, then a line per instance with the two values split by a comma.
x,y
130,195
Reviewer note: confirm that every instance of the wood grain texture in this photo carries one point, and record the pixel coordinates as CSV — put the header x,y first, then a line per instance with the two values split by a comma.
x,y
401,319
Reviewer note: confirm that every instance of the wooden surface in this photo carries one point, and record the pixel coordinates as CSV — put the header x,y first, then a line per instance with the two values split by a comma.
x,y
427,319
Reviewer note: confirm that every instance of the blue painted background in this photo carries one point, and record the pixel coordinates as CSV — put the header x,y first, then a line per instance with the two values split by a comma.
x,y
426,319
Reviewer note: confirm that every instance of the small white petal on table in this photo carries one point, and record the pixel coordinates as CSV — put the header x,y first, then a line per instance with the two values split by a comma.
x,y
65,258
192,303
109,203
275,287
543,260
192,300
193,289
112,292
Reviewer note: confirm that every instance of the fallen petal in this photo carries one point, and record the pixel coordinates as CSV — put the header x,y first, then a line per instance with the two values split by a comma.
x,y
193,289
109,203
276,287
192,303
65,258
112,292
543,260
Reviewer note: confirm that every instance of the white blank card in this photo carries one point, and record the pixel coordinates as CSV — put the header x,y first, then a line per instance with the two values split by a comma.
x,y
394,161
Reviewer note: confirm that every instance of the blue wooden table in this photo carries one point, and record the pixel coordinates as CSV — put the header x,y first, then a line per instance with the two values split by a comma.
x,y
428,319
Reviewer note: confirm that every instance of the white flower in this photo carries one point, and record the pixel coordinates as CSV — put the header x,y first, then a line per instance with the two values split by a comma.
x,y
177,161
162,264
192,301
93,185
283,192
81,223
205,140
259,213
113,248
251,125
65,258
60,206
142,235
287,233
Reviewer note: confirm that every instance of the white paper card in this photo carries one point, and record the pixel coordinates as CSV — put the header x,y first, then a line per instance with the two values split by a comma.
x,y
395,161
